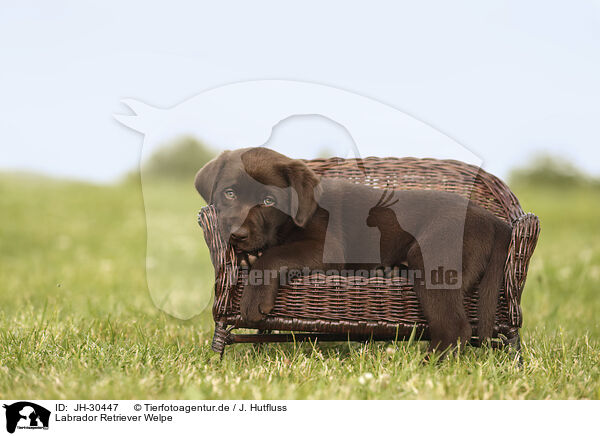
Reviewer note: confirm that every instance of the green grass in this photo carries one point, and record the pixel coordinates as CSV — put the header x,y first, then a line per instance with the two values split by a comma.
x,y
77,319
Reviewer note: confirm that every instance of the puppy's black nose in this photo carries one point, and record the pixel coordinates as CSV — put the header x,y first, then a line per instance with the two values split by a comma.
x,y
240,234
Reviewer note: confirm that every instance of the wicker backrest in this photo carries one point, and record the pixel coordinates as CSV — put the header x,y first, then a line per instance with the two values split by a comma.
x,y
413,173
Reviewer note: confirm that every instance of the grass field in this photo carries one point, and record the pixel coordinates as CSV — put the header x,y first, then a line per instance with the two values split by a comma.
x,y
77,319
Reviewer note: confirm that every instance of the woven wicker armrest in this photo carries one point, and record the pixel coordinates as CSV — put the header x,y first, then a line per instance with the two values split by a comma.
x,y
222,257
526,230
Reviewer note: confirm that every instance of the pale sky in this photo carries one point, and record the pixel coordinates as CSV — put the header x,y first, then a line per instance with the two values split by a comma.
x,y
505,79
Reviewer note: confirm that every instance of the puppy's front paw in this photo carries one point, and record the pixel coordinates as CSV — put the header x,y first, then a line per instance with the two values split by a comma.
x,y
257,302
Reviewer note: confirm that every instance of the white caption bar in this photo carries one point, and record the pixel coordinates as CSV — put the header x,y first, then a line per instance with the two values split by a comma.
x,y
77,417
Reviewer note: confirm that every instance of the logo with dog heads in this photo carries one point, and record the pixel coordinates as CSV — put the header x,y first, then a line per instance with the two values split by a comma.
x,y
26,415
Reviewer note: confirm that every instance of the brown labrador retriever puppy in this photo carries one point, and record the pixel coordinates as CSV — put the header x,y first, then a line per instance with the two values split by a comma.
x,y
277,206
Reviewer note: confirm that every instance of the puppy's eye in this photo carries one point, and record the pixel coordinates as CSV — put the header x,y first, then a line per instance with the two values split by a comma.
x,y
229,194
269,201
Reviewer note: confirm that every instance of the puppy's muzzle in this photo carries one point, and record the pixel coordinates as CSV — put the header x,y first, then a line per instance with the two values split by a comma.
x,y
240,235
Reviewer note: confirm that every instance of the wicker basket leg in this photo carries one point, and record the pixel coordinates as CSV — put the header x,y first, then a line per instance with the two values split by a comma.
x,y
513,343
221,338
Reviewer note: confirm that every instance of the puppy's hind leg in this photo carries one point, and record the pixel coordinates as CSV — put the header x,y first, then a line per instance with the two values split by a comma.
x,y
449,326
443,309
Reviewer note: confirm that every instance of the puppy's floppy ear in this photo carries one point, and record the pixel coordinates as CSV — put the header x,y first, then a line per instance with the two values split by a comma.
x,y
206,178
308,189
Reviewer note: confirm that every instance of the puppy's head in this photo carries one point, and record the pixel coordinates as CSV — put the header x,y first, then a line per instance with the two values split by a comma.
x,y
259,194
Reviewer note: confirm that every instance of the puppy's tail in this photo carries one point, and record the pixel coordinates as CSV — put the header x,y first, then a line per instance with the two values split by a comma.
x,y
492,281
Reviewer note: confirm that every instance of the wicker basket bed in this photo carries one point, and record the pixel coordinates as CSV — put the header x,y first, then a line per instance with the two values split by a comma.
x,y
337,308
